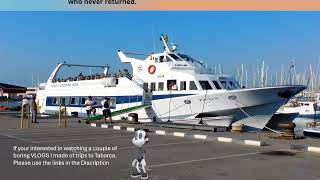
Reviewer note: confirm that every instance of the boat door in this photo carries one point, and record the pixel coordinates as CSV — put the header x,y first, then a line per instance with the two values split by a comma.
x,y
147,95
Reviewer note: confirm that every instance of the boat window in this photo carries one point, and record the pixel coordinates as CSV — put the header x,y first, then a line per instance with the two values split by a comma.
x,y
224,84
83,100
161,59
232,86
64,101
98,99
186,57
145,87
160,86
153,86
205,85
306,104
193,86
175,57
183,85
216,84
167,59
172,85
236,83
73,101
55,101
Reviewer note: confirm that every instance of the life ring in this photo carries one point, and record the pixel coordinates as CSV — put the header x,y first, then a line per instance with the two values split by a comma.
x,y
152,69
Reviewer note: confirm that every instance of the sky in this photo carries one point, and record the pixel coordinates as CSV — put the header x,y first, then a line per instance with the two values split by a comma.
x,y
33,43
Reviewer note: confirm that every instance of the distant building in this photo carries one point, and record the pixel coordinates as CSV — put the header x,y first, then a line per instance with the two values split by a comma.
x,y
11,91
31,91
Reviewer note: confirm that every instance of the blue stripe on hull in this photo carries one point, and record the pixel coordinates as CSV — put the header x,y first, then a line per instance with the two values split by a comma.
x,y
312,134
119,99
166,96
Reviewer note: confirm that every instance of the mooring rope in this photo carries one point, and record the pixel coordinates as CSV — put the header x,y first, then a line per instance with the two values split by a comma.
x,y
204,103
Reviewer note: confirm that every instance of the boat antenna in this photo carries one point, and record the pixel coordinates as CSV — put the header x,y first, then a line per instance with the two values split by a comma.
x,y
220,69
154,45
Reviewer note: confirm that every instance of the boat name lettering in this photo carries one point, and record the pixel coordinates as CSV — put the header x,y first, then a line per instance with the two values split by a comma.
x,y
65,85
209,99
180,65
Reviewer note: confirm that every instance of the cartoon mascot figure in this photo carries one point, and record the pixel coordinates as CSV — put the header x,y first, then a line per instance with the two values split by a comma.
x,y
140,139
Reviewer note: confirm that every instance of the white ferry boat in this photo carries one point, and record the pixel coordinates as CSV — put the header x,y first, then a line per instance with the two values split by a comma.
x,y
169,86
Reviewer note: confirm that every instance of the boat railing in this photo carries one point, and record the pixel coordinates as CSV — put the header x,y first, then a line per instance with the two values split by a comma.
x,y
81,78
312,124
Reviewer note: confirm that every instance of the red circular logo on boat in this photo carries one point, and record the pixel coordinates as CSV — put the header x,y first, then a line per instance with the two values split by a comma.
x,y
152,69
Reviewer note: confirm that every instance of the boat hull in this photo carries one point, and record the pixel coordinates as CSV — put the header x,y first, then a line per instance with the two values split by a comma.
x,y
250,107
314,132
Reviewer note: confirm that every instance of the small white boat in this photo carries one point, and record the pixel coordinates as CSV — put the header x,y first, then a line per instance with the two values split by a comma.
x,y
312,130
307,105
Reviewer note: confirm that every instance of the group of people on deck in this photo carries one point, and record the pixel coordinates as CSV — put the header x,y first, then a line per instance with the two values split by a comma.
x,y
90,108
81,77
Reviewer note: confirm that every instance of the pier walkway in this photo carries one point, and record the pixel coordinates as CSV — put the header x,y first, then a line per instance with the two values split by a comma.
x,y
168,157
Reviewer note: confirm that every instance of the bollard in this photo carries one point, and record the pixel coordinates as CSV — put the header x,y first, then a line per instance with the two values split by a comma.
x,y
288,129
64,111
22,117
65,116
59,120
237,128
29,118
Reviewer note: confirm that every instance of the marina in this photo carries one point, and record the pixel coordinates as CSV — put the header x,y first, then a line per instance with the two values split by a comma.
x,y
167,86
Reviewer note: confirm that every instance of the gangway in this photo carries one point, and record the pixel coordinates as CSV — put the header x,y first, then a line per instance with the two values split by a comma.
x,y
114,113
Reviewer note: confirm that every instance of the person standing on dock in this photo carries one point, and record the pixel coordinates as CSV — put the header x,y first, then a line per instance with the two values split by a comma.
x,y
89,103
25,102
106,109
33,109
